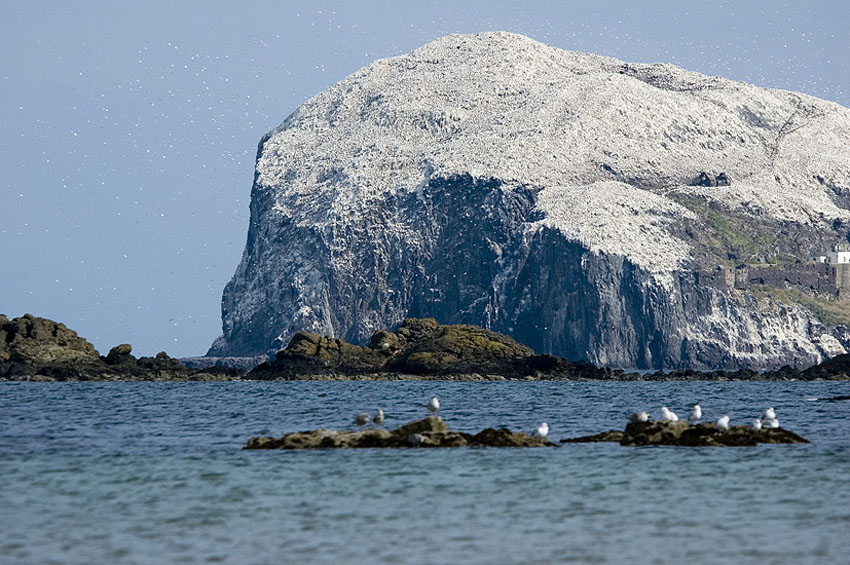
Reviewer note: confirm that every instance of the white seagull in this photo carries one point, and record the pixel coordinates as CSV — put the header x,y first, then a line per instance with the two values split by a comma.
x,y
636,417
434,405
696,414
668,415
769,414
361,419
723,422
378,420
543,430
770,423
756,425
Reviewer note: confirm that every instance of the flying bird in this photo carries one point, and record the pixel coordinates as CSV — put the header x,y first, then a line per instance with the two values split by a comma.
x,y
696,414
723,422
668,415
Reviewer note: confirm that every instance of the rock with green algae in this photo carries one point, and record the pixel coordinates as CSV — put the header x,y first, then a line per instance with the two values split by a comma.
x,y
424,348
428,432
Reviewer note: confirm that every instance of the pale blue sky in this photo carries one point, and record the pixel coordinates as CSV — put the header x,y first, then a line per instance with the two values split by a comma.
x,y
128,131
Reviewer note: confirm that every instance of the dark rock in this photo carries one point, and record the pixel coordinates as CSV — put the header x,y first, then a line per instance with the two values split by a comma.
x,y
425,348
120,354
836,368
33,348
703,179
722,180
428,432
30,345
701,435
612,436
682,434
503,437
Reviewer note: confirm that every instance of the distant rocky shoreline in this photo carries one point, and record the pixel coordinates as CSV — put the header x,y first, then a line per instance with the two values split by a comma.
x,y
38,349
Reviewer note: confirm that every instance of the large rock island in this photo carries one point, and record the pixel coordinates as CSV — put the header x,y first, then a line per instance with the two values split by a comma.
x,y
633,215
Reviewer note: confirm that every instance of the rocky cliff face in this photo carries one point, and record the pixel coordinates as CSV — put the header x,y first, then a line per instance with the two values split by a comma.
x,y
569,200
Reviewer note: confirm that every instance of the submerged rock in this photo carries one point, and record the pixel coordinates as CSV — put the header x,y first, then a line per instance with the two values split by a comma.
x,y
428,432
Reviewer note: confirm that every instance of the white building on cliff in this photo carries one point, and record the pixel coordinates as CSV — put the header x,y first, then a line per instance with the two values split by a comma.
x,y
838,256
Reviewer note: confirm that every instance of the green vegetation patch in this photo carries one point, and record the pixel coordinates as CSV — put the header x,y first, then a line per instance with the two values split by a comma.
x,y
732,239
829,310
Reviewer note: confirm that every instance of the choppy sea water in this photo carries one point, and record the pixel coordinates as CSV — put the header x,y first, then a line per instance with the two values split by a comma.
x,y
155,473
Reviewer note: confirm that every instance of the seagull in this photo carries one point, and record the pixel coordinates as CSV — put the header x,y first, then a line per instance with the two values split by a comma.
x,y
723,422
636,417
668,415
770,423
696,414
361,419
543,430
434,405
378,420
756,425
769,414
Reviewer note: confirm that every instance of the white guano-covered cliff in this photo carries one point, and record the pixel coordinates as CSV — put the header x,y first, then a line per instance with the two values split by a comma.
x,y
370,192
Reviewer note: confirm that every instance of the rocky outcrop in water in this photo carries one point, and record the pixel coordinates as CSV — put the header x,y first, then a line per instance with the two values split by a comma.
x,y
680,433
575,202
420,347
33,348
429,432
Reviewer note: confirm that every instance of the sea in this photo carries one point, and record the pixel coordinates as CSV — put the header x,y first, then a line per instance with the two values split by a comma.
x,y
148,473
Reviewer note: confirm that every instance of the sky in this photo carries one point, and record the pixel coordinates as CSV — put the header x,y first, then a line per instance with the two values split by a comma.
x,y
128,131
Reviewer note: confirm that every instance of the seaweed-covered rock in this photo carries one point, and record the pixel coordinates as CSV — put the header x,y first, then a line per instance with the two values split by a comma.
x,y
702,435
421,347
428,432
603,437
682,434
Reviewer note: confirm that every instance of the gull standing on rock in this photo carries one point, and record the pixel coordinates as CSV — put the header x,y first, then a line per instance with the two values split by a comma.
x,y
668,415
770,423
361,419
769,414
723,422
434,405
696,414
378,420
636,417
543,430
756,425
